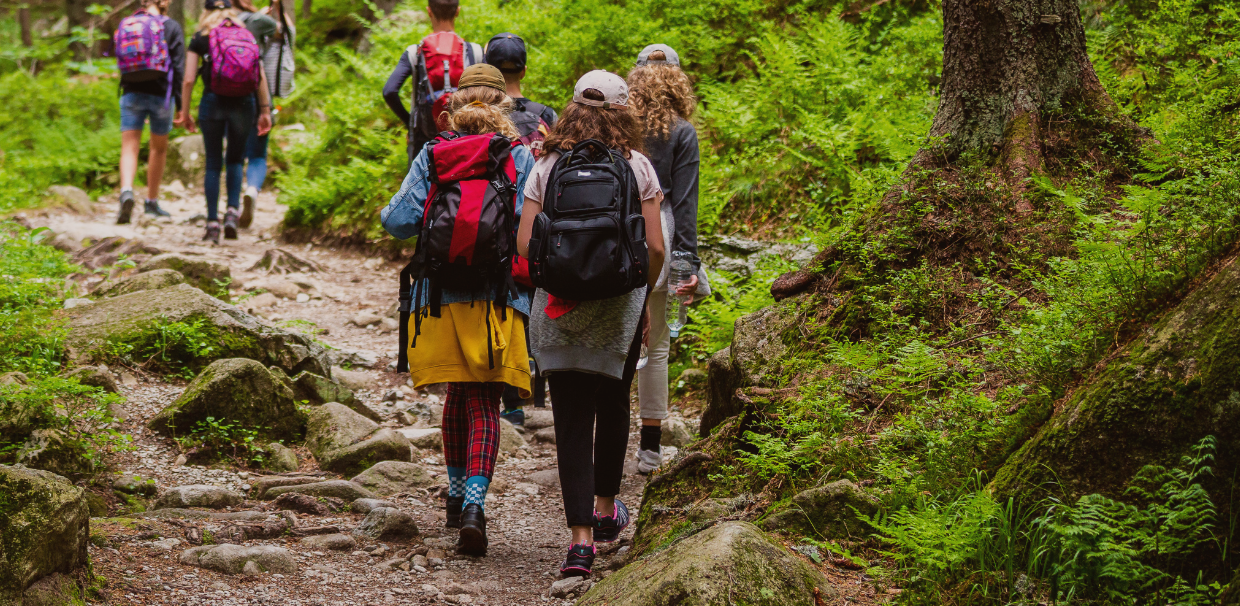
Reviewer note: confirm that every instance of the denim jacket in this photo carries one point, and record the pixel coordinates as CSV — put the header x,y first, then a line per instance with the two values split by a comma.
x,y
403,218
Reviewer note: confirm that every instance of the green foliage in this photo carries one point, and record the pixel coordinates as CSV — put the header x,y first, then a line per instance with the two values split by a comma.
x,y
65,415
211,438
1097,550
31,282
169,347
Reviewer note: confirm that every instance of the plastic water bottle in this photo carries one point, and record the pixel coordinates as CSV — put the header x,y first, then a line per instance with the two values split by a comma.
x,y
677,306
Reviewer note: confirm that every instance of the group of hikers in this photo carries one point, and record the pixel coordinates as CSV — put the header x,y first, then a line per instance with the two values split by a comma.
x,y
543,241
244,57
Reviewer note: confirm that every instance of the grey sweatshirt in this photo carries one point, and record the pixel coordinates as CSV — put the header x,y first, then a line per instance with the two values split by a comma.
x,y
594,337
676,160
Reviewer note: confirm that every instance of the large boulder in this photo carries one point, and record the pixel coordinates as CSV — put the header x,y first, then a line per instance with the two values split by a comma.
x,y
758,342
387,524
1175,384
318,390
147,280
95,376
510,441
281,458
264,483
135,318
346,442
232,559
213,278
730,563
835,510
238,391
187,159
47,449
387,478
336,489
198,495
44,528
74,197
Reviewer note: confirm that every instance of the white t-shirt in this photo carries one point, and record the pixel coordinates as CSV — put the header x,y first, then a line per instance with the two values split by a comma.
x,y
643,170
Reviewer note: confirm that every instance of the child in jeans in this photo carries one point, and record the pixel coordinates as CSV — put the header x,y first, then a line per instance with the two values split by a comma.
x,y
589,351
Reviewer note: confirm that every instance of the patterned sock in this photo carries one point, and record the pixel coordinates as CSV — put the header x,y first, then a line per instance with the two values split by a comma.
x,y
456,481
476,490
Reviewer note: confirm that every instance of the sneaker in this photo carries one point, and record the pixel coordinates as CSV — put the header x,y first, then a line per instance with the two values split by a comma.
x,y
213,232
649,460
473,539
608,529
579,561
454,512
126,211
248,199
515,416
230,224
151,207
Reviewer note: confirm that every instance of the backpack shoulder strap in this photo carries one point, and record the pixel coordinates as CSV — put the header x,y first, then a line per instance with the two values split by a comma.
x,y
472,52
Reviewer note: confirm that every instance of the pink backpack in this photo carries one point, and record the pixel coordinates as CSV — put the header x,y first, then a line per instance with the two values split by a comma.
x,y
141,51
236,61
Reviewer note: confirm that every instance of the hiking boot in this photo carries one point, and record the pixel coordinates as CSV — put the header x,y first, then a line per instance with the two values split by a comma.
x,y
515,416
248,199
151,207
649,460
473,539
454,512
122,217
213,232
608,529
579,561
230,224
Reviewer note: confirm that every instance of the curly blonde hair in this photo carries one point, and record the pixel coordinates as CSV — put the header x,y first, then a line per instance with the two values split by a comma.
x,y
660,93
478,110
211,18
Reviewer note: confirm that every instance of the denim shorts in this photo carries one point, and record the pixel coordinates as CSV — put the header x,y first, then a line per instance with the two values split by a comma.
x,y
136,107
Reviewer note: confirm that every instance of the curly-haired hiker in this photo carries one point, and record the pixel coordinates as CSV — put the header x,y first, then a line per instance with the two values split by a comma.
x,y
467,329
588,349
662,96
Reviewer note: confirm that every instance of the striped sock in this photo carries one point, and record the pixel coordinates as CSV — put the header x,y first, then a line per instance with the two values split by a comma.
x,y
456,481
476,490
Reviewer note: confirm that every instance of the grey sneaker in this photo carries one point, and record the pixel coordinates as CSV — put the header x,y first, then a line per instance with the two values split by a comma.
x,y
151,207
649,460
213,232
126,210
230,224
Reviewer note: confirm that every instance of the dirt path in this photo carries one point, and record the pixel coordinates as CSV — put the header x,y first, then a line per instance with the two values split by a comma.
x,y
525,518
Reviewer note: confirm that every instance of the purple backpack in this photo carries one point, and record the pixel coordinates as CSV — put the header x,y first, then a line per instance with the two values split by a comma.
x,y
141,51
236,61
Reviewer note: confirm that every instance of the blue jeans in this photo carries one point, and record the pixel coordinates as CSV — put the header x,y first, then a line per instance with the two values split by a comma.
x,y
218,117
137,107
256,159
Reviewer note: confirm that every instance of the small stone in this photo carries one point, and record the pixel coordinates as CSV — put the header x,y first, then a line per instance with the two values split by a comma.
x,y
128,380
334,542
420,561
251,568
545,435
564,587
366,318
71,303
302,297
218,586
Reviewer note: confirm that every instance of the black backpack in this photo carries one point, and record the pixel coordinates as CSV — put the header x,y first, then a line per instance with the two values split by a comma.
x,y
468,236
589,241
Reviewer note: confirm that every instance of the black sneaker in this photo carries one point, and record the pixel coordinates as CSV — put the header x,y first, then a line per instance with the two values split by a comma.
x,y
151,207
579,562
213,232
473,539
454,512
122,217
608,529
230,224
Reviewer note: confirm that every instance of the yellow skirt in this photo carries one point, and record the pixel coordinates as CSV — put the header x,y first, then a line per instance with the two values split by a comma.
x,y
453,347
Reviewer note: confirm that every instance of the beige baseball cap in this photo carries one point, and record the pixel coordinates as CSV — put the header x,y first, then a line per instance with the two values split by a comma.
x,y
614,89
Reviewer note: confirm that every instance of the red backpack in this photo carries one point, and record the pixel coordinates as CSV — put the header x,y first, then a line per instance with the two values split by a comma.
x,y
468,237
441,58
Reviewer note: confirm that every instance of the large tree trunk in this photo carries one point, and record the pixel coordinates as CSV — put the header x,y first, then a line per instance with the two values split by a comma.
x,y
176,12
75,10
305,7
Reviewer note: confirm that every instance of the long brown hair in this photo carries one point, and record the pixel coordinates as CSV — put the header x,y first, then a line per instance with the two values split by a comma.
x,y
618,128
660,93
478,110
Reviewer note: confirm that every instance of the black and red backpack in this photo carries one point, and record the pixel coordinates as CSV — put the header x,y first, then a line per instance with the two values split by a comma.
x,y
468,236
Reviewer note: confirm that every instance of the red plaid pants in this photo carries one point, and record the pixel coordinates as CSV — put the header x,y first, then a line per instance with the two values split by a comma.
x,y
471,427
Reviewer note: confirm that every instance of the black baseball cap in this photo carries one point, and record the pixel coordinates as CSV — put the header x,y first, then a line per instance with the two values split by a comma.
x,y
507,52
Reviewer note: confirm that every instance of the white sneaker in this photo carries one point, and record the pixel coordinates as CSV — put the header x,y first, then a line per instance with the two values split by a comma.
x,y
648,460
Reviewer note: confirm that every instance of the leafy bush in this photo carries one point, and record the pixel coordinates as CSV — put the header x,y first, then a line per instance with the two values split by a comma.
x,y
168,347
214,438
64,416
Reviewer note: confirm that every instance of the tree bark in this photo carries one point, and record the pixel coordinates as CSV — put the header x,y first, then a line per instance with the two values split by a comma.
x,y
1005,64
176,12
305,8
75,11
23,21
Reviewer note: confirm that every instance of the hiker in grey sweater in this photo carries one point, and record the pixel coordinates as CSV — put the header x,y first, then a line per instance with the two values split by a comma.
x,y
589,349
662,96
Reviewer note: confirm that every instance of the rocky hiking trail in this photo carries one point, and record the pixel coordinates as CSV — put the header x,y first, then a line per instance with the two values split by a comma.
x,y
351,514
343,301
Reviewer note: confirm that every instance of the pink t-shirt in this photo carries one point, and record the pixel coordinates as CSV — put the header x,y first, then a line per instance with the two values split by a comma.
x,y
643,170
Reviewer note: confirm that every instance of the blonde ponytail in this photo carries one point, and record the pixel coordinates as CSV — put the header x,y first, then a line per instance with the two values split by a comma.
x,y
478,110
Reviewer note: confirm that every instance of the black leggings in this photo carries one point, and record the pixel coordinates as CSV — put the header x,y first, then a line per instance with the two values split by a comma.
x,y
591,434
